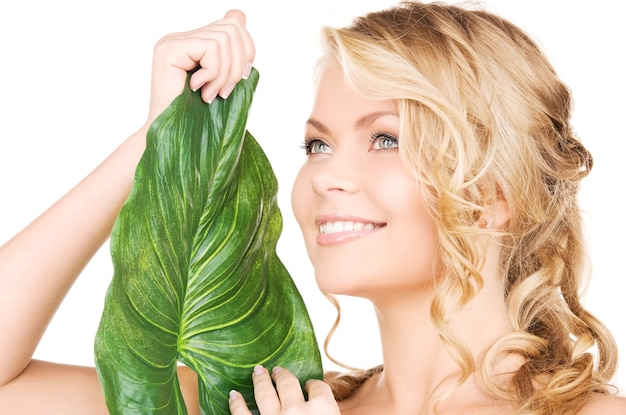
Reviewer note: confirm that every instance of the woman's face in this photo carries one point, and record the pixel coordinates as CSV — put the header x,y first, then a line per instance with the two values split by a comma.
x,y
363,218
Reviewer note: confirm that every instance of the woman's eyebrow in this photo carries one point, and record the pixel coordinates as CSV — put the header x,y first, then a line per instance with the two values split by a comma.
x,y
368,119
363,121
318,125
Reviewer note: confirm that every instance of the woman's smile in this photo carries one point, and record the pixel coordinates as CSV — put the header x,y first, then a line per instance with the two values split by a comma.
x,y
334,229
363,217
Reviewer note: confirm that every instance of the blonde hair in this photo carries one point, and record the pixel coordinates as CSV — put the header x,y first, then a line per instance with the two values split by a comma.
x,y
484,116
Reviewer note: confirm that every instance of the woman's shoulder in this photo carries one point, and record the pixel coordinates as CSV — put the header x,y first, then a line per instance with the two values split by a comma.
x,y
605,405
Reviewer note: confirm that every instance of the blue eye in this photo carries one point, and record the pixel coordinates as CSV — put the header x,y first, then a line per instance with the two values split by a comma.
x,y
383,141
315,146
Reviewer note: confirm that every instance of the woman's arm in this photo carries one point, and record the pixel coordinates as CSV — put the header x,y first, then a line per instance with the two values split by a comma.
x,y
39,265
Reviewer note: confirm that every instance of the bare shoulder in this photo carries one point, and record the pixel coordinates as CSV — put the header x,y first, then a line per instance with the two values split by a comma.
x,y
53,388
605,405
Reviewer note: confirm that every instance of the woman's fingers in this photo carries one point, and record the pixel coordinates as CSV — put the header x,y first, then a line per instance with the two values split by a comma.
x,y
237,404
248,49
280,393
223,51
231,43
238,14
321,397
264,392
288,388
318,389
276,393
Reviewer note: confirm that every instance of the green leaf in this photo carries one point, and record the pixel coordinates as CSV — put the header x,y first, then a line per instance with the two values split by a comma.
x,y
196,276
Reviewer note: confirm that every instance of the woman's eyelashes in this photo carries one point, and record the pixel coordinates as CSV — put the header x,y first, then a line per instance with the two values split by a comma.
x,y
383,141
375,141
315,146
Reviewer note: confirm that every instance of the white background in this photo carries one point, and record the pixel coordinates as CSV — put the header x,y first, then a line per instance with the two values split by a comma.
x,y
74,82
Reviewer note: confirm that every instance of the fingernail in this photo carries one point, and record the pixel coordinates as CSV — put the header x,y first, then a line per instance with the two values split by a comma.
x,y
246,71
227,90
195,87
211,97
259,370
277,369
232,395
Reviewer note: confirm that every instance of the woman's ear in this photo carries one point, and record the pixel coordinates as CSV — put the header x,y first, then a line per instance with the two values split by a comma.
x,y
496,213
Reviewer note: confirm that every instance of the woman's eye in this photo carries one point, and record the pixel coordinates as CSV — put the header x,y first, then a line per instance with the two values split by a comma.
x,y
384,141
316,146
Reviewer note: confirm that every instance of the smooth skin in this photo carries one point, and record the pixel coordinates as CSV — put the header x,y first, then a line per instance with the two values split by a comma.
x,y
280,393
353,174
49,253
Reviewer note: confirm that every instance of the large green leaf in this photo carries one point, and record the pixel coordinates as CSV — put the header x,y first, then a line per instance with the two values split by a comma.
x,y
196,275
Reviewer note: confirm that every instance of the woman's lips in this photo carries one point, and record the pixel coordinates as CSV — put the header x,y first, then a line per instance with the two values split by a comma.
x,y
337,231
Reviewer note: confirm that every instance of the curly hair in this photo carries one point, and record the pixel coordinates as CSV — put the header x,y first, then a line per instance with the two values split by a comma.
x,y
484,116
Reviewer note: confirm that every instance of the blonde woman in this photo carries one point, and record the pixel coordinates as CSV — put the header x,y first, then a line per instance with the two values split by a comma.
x,y
440,184
457,218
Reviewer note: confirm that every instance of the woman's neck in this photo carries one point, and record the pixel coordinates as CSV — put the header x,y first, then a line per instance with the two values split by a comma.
x,y
416,359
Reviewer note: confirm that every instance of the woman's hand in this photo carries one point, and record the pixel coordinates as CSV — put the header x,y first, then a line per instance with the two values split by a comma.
x,y
286,397
223,50
39,265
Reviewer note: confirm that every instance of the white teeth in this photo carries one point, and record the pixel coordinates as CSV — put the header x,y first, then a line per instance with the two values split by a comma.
x,y
347,226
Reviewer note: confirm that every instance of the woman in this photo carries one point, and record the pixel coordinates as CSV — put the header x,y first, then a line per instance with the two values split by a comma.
x,y
443,151
466,193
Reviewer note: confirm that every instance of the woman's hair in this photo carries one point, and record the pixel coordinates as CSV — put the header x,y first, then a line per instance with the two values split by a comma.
x,y
484,117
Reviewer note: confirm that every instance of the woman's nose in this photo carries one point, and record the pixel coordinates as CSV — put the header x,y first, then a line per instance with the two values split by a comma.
x,y
337,174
